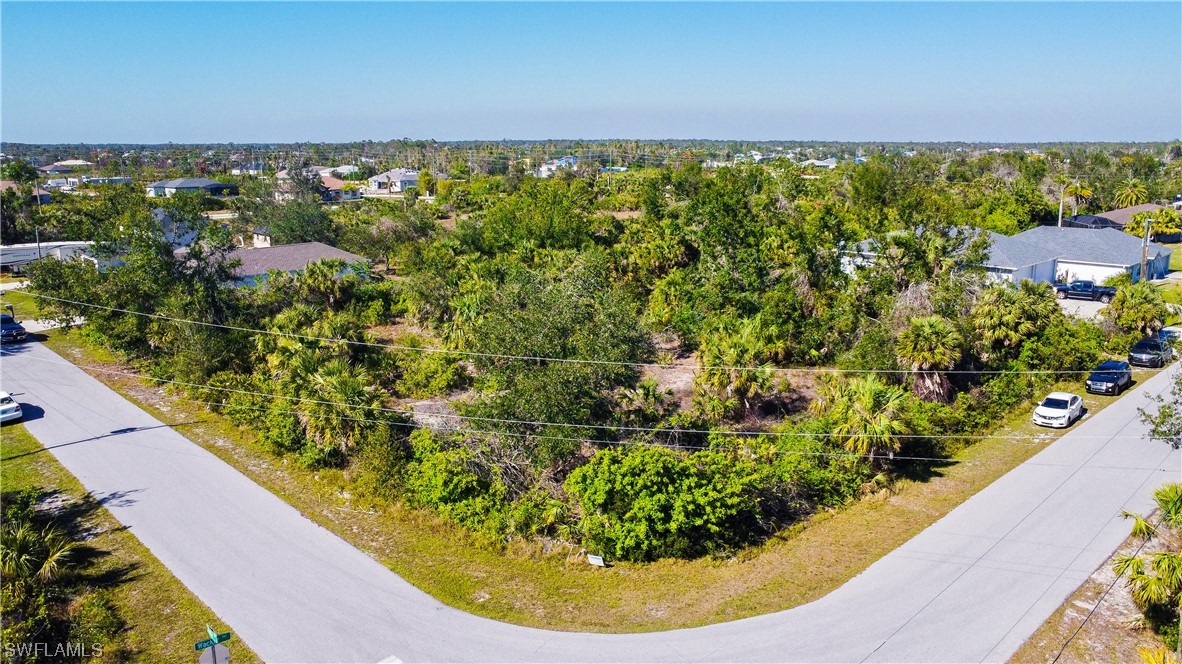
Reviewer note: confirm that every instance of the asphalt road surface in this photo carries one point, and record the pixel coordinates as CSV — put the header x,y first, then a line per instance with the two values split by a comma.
x,y
970,588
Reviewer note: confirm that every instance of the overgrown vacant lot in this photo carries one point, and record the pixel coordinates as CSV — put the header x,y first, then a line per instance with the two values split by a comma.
x,y
530,585
162,618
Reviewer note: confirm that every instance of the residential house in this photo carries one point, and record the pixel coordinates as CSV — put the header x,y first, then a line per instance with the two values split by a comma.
x,y
257,263
37,194
335,189
1048,253
554,165
166,188
395,181
55,169
1118,218
253,168
820,163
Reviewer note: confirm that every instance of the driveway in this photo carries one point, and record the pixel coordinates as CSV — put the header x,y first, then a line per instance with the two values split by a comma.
x,y
1082,308
970,588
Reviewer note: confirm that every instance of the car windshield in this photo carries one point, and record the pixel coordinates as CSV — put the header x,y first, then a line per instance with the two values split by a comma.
x,y
5,319
1146,347
5,401
1110,366
1102,375
1054,404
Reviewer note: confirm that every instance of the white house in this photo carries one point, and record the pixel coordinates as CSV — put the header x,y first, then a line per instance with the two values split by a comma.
x,y
554,165
1050,253
820,163
394,181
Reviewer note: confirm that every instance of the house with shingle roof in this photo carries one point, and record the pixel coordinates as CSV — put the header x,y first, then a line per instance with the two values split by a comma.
x,y
166,188
257,262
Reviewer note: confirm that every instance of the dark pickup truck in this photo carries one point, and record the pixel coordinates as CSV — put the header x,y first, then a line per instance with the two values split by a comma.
x,y
1085,290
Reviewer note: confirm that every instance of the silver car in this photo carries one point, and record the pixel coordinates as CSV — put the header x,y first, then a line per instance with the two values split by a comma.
x,y
1058,409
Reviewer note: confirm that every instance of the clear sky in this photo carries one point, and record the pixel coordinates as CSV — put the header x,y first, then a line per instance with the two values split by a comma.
x,y
278,72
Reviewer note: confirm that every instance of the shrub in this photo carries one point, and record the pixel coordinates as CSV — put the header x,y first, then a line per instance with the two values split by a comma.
x,y
651,502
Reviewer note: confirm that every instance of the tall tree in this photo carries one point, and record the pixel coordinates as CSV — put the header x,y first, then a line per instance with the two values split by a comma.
x,y
930,344
1079,192
1131,192
866,415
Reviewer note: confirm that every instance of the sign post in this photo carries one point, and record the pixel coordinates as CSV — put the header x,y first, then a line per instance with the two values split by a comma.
x,y
211,651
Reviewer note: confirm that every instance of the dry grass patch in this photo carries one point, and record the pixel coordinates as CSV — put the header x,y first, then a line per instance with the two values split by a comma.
x,y
548,585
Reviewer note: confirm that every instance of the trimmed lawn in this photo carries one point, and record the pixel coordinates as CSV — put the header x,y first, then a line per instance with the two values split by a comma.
x,y
543,585
1176,257
163,619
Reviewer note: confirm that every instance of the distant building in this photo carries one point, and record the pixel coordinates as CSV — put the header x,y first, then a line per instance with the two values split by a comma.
x,y
256,263
166,188
37,195
255,168
394,181
820,163
334,189
55,169
551,167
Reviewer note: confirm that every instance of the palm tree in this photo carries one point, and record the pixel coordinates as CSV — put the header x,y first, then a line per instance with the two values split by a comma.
x,y
1079,192
28,554
735,362
1139,307
345,407
1004,316
866,415
930,343
1131,192
1155,579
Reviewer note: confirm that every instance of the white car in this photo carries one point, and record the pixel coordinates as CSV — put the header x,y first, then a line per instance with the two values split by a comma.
x,y
1058,409
9,408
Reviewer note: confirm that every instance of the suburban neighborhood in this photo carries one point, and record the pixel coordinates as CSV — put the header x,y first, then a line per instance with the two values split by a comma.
x,y
856,344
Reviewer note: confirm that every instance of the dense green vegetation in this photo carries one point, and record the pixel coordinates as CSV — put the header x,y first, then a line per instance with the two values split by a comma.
x,y
661,384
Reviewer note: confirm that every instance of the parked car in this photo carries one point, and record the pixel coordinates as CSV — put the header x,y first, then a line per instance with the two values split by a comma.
x,y
9,408
11,330
1111,377
1085,290
1058,409
1150,352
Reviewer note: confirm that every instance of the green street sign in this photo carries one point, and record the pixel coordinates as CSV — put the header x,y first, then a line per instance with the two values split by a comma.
x,y
209,643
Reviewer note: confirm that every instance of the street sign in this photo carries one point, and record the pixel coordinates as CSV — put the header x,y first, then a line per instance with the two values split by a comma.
x,y
214,640
215,655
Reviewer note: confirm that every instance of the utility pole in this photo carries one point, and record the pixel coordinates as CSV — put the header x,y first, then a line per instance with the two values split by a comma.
x,y
1145,250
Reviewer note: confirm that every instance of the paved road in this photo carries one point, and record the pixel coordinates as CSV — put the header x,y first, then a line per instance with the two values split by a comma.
x,y
970,588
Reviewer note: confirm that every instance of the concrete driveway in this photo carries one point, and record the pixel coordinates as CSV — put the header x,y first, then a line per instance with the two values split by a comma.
x,y
970,588
1082,308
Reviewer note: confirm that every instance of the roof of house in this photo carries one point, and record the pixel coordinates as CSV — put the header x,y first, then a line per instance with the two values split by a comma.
x,y
1090,221
188,183
1016,252
286,257
397,174
1104,246
5,185
55,168
1123,216
331,183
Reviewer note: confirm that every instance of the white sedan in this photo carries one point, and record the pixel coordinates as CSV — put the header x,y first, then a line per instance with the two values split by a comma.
x,y
1058,409
9,408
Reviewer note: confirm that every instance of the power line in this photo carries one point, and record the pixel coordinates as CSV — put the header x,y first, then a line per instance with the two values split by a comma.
x,y
655,430
538,358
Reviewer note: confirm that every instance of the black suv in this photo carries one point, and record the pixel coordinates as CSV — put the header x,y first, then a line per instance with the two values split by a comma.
x,y
1111,377
10,330
1150,352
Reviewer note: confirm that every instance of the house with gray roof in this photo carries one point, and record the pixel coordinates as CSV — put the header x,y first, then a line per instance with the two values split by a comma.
x,y
395,181
166,188
256,263
1049,253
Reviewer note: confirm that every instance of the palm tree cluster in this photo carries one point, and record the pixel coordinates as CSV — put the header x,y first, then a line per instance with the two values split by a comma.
x,y
1155,579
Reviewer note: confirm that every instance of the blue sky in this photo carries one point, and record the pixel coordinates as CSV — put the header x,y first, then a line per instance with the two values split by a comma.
x,y
247,72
